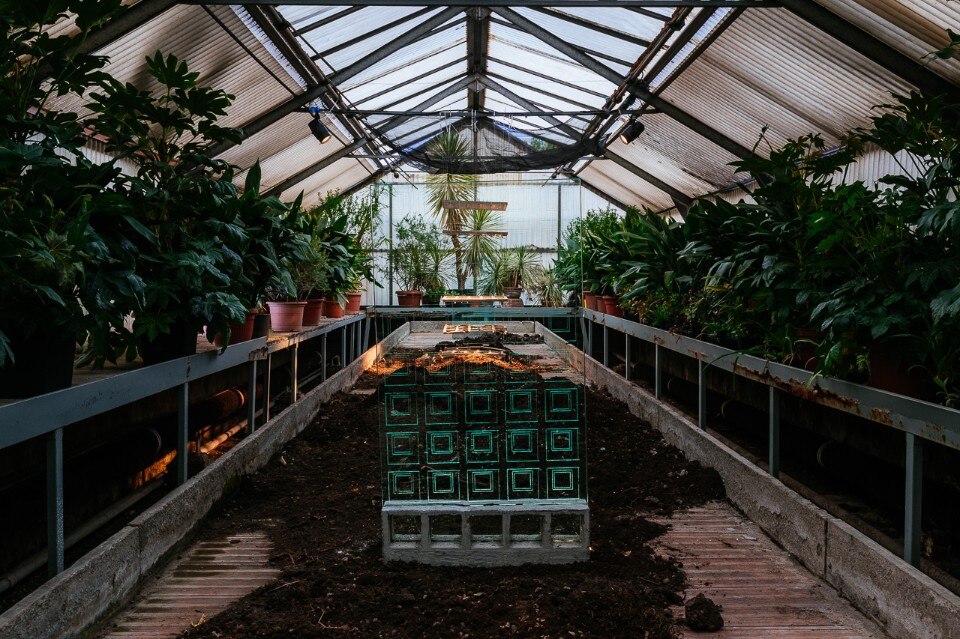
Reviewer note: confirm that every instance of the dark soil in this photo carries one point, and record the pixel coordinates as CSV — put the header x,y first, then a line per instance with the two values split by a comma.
x,y
702,615
319,501
495,340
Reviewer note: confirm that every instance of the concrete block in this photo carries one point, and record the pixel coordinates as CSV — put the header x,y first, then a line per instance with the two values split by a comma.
x,y
905,601
77,597
167,522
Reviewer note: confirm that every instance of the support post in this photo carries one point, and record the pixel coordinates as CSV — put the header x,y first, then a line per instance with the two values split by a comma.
x,y
773,455
657,376
294,360
357,330
913,496
366,334
266,389
590,341
55,545
606,346
252,399
626,348
183,433
343,347
323,356
702,395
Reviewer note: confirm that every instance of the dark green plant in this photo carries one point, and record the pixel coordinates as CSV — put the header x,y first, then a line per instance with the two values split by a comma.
x,y
420,255
66,262
181,194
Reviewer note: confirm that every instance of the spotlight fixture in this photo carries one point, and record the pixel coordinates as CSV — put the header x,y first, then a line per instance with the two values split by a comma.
x,y
632,131
396,175
319,130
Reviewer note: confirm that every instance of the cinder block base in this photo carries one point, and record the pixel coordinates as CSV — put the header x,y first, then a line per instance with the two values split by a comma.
x,y
486,533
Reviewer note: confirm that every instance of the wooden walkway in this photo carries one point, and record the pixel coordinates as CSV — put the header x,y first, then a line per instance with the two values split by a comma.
x,y
765,593
206,580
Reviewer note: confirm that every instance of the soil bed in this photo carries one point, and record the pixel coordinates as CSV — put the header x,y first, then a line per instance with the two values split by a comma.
x,y
319,502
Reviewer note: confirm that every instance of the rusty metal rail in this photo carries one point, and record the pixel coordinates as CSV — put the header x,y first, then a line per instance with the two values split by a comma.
x,y
920,421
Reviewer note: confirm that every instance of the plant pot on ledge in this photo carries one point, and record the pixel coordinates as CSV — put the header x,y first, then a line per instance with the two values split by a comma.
x,y
409,299
889,372
353,302
181,341
513,294
332,307
44,363
611,305
238,332
312,312
286,317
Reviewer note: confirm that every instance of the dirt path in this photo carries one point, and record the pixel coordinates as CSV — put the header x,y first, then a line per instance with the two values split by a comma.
x,y
319,503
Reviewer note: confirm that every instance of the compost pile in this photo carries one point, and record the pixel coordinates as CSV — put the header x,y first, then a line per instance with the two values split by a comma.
x,y
319,502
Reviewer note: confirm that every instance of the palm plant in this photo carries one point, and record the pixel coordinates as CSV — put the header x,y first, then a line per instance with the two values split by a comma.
x,y
478,247
494,274
523,266
442,187
547,288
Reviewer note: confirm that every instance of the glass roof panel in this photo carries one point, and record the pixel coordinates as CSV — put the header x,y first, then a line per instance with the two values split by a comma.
x,y
423,72
326,39
404,86
584,37
424,48
625,20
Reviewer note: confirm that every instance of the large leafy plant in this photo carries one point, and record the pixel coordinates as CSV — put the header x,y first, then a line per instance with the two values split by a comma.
x,y
65,260
180,193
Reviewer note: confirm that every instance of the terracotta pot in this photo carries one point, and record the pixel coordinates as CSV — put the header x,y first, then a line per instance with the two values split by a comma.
x,y
805,347
286,317
512,292
409,298
332,307
513,303
44,362
611,305
353,303
892,369
239,332
181,341
589,300
312,312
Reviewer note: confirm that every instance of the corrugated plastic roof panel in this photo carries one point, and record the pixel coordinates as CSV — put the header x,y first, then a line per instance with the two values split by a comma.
x,y
339,176
913,27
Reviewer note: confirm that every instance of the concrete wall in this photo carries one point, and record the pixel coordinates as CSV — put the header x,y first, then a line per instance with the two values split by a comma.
x,y
103,579
909,604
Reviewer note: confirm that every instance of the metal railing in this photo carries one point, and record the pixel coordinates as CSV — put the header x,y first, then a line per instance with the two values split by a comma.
x,y
920,421
48,415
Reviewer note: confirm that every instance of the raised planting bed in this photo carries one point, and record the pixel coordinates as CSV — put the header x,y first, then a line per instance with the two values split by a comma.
x,y
319,501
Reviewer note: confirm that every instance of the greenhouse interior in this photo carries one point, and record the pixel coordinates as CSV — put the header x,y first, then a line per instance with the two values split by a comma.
x,y
527,318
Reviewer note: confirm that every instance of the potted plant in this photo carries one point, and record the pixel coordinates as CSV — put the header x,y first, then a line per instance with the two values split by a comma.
x,y
178,192
547,289
66,264
410,259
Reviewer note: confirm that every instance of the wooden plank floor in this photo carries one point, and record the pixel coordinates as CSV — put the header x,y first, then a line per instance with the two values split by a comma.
x,y
209,577
764,592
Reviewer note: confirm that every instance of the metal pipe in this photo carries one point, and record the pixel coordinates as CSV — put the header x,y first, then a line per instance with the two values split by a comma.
x,y
36,561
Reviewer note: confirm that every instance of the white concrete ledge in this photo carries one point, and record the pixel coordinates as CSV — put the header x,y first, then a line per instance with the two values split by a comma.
x,y
103,579
905,601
